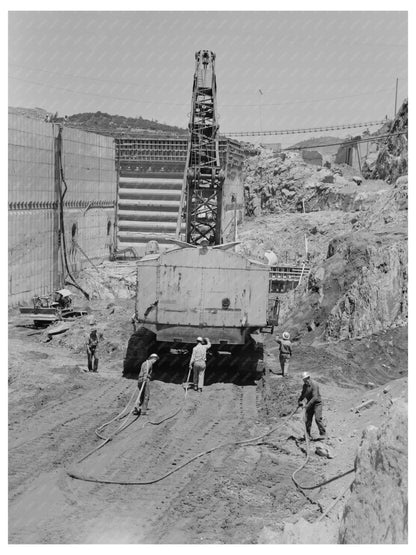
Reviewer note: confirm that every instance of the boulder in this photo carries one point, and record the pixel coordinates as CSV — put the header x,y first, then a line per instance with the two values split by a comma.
x,y
377,511
299,532
323,451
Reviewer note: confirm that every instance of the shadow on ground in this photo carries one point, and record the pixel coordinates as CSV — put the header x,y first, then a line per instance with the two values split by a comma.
x,y
240,365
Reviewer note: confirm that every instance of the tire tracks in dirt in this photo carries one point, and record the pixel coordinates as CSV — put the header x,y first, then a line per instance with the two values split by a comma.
x,y
56,433
207,420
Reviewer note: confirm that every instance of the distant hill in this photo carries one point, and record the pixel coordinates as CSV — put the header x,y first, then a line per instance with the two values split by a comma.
x,y
101,122
34,113
114,124
312,144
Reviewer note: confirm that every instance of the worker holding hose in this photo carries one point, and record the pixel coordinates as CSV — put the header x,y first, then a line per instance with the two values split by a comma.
x,y
313,407
143,384
198,362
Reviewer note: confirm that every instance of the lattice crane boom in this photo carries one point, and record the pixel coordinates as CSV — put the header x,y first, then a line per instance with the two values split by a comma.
x,y
204,177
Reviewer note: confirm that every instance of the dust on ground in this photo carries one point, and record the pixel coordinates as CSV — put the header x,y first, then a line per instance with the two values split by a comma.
x,y
236,494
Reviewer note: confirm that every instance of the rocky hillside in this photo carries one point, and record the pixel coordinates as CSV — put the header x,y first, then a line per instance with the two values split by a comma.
x,y
361,286
353,231
288,184
391,160
316,144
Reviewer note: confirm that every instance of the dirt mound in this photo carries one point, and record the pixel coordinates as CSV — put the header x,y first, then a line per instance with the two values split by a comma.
x,y
109,280
377,510
113,323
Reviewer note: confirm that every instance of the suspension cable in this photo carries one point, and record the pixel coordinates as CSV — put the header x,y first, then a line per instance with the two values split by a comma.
x,y
306,130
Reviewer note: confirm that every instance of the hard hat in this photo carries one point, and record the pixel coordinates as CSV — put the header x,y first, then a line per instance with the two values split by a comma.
x,y
199,339
286,335
305,375
154,355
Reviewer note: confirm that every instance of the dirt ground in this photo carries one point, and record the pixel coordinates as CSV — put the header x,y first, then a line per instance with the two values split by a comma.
x,y
236,494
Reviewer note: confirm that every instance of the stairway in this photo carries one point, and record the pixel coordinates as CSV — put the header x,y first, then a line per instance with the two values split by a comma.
x,y
147,210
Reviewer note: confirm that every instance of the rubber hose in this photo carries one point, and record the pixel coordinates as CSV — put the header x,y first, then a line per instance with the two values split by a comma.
x,y
300,486
86,478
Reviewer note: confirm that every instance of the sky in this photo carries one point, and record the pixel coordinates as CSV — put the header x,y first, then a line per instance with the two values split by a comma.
x,y
275,70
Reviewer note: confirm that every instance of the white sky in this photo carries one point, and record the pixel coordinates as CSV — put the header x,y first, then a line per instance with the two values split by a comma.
x,y
313,68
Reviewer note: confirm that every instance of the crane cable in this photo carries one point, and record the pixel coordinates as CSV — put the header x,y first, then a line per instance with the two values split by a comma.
x,y
61,213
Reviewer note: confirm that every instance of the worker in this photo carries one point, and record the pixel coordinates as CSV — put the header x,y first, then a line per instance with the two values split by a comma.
x,y
143,384
271,258
198,362
92,347
256,203
285,347
313,407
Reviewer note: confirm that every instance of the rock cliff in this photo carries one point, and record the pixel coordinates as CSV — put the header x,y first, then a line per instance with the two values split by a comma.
x,y
361,287
377,510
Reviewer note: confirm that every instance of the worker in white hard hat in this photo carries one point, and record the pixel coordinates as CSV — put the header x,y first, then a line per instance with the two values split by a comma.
x,y
198,362
143,385
285,352
313,407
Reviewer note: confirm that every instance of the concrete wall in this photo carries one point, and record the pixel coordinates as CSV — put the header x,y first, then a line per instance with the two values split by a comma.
x,y
89,209
35,252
